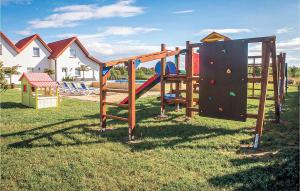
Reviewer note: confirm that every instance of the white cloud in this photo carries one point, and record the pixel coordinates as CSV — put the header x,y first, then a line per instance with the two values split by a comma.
x,y
18,2
113,31
70,16
184,11
25,32
293,44
284,30
224,31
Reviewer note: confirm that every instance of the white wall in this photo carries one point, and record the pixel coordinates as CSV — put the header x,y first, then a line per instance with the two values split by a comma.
x,y
26,59
8,56
65,61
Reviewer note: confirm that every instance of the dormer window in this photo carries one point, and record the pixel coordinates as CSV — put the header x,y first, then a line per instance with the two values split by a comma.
x,y
36,52
72,53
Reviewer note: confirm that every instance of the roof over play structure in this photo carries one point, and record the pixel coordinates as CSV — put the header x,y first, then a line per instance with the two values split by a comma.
x,y
214,36
40,80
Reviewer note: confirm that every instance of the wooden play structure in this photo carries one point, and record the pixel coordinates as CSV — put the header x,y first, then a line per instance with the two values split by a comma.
x,y
39,90
216,80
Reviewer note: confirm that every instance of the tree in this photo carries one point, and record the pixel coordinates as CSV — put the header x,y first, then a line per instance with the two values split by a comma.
x,y
49,71
3,82
11,71
83,68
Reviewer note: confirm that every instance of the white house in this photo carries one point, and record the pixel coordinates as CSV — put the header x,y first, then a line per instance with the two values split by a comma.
x,y
66,58
30,54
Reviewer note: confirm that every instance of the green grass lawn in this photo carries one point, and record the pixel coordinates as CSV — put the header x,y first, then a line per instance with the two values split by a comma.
x,y
63,149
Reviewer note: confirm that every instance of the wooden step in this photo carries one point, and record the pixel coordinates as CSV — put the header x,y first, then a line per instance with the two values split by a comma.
x,y
115,90
117,118
252,115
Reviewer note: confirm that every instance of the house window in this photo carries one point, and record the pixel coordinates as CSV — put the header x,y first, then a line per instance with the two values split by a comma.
x,y
36,52
64,71
29,70
0,49
77,72
72,53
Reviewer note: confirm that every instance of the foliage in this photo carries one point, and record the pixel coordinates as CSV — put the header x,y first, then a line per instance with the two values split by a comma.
x,y
294,72
121,72
84,68
11,71
68,79
63,149
3,82
49,71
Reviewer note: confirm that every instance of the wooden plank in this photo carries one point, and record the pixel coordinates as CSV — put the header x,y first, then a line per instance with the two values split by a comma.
x,y
254,80
116,104
264,84
189,83
131,100
117,118
248,40
193,109
178,84
256,56
275,83
252,115
162,82
257,97
115,90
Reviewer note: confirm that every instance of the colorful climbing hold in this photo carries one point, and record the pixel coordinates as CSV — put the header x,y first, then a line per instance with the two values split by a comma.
x,y
224,51
212,82
231,93
211,62
209,98
228,71
220,109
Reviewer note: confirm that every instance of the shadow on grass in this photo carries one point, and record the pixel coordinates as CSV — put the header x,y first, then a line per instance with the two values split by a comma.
x,y
11,105
276,164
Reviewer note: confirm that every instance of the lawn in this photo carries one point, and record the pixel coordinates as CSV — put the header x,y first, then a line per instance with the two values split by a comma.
x,y
63,149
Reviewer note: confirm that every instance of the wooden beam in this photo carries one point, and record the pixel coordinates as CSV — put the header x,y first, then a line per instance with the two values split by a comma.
x,y
275,82
264,84
102,84
177,84
251,115
117,118
131,100
254,80
189,83
115,90
162,82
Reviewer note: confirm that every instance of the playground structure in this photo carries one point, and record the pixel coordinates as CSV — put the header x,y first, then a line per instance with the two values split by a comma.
x,y
218,74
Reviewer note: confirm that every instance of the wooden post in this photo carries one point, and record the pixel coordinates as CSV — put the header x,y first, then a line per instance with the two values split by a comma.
x,y
162,82
131,96
189,81
177,63
282,77
57,97
264,85
253,75
36,99
102,84
275,82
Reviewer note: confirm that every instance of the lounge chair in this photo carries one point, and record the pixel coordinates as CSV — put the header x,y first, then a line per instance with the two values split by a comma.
x,y
90,89
79,89
68,89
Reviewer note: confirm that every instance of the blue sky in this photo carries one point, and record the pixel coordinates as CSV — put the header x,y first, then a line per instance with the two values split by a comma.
x,y
112,29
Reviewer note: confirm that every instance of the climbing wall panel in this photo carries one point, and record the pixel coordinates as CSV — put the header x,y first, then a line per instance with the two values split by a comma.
x,y
223,80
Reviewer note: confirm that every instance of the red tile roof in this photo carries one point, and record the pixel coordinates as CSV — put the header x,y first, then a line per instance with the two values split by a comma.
x,y
3,36
23,43
60,46
39,79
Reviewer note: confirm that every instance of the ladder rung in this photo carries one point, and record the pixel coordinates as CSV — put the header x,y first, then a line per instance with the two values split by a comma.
x,y
254,80
255,97
115,90
259,89
193,109
117,117
252,115
116,104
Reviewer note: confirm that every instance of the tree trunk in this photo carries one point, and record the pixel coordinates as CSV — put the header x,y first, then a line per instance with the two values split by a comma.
x,y
83,75
10,78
